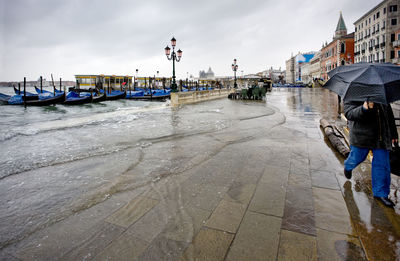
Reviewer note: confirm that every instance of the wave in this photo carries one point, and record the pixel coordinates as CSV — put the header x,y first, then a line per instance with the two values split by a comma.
x,y
119,115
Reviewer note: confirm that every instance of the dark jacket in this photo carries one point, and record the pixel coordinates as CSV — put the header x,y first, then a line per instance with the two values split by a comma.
x,y
370,128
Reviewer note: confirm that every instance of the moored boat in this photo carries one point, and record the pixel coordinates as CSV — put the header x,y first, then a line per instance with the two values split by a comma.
x,y
73,98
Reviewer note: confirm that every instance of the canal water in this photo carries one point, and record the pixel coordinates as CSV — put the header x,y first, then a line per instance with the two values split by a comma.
x,y
57,161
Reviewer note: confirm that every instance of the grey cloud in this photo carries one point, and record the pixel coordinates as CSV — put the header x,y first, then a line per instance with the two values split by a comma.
x,y
78,36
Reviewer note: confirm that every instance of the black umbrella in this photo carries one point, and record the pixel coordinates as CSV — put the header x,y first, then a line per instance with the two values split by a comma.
x,y
377,82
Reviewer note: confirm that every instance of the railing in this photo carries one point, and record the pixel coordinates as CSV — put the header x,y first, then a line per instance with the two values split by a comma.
x,y
396,60
396,43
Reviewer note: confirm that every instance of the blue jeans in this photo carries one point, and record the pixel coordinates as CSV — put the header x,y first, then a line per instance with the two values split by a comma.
x,y
380,168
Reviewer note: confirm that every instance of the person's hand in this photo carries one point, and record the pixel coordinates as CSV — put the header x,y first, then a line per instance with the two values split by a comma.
x,y
368,105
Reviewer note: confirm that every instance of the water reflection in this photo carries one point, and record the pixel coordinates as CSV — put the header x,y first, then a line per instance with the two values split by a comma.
x,y
373,223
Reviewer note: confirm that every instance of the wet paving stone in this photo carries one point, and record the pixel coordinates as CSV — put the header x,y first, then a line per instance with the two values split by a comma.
x,y
338,247
155,221
269,198
324,179
132,211
163,249
240,193
256,239
95,244
299,210
185,224
227,216
331,212
296,246
124,248
209,244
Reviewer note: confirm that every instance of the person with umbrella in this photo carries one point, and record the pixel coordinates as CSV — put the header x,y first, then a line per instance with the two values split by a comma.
x,y
367,90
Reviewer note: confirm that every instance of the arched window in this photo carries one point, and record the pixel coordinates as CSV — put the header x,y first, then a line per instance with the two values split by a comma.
x,y
342,48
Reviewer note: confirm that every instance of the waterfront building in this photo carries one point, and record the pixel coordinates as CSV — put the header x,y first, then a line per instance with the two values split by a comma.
x,y
375,33
396,46
290,75
315,66
207,75
339,51
276,75
103,81
294,66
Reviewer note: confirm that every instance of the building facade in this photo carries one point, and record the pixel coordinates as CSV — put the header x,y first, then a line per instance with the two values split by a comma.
x,y
207,75
290,75
339,51
315,66
396,46
375,33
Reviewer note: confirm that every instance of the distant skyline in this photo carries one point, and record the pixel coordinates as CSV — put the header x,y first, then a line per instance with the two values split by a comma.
x,y
40,37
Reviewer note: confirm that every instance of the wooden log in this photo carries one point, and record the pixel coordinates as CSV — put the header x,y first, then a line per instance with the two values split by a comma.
x,y
335,137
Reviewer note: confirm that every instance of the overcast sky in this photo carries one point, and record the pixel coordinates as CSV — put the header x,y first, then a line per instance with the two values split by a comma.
x,y
68,37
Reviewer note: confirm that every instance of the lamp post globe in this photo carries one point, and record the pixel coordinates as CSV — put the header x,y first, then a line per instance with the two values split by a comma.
x,y
234,69
175,57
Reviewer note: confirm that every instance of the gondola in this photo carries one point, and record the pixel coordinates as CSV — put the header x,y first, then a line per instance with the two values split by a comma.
x,y
115,95
100,97
29,96
45,91
73,98
47,101
145,95
4,98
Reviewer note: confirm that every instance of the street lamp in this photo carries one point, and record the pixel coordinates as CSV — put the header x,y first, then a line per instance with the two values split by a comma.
x,y
136,81
234,69
174,57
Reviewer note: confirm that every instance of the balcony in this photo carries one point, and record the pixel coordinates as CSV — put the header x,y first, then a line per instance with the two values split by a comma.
x,y
383,44
396,43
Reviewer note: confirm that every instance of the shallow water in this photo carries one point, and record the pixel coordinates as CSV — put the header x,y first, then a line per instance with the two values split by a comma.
x,y
57,161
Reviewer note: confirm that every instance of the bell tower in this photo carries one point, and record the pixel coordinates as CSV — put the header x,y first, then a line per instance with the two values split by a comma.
x,y
341,29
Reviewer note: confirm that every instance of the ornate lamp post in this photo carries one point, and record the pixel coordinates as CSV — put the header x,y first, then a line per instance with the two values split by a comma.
x,y
234,69
136,80
174,57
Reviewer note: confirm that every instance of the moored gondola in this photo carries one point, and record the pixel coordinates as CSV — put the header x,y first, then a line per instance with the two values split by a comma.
x,y
29,96
73,98
115,95
100,97
47,101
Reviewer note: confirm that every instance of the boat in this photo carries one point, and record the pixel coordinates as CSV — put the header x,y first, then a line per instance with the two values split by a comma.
x,y
99,98
49,92
114,95
29,95
4,98
146,95
47,101
73,98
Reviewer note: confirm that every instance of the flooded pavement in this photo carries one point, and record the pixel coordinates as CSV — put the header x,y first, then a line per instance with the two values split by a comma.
x,y
219,180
